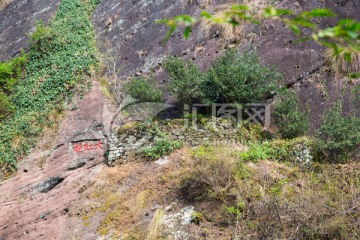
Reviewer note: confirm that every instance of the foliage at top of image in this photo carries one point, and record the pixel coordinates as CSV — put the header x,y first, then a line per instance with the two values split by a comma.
x,y
292,122
235,77
338,136
59,54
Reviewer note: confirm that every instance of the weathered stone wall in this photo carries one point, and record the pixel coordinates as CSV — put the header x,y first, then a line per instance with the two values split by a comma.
x,y
130,141
131,138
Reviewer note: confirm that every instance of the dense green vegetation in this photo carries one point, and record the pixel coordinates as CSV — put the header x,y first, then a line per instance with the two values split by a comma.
x,y
10,72
59,56
238,77
234,77
338,138
292,122
144,90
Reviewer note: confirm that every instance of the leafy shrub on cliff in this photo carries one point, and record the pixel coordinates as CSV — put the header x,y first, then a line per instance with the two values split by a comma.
x,y
233,78
10,72
237,77
339,135
144,90
185,79
292,122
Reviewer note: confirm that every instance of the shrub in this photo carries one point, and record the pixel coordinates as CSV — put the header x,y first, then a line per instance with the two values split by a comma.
x,y
339,135
160,147
144,90
6,108
256,152
292,122
185,79
10,72
239,78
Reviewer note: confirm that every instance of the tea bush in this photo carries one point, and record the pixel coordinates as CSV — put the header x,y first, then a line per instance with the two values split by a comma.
x,y
185,79
233,78
144,90
339,135
59,56
237,77
292,122
161,146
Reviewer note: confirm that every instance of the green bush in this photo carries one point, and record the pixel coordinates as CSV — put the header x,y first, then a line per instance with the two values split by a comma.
x,y
185,79
233,78
6,108
160,147
239,78
292,122
339,135
256,152
10,72
144,90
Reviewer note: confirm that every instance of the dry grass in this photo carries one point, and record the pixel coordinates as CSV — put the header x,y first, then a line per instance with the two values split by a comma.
x,y
339,65
228,32
4,3
112,86
155,225
124,193
269,200
264,200
212,174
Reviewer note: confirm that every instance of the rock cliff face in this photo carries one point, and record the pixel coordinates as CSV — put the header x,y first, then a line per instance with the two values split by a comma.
x,y
135,40
126,31
17,20
34,204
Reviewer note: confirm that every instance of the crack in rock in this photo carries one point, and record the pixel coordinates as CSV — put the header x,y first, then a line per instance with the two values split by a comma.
x,y
48,184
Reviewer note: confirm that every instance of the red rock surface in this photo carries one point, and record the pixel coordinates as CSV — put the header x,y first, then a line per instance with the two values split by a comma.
x,y
28,210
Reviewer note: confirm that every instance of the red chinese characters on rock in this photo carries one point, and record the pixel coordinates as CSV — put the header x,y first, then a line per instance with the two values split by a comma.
x,y
83,147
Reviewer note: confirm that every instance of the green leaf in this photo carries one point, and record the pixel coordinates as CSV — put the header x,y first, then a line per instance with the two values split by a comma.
x,y
295,29
239,8
355,75
206,15
322,12
303,39
347,57
187,31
